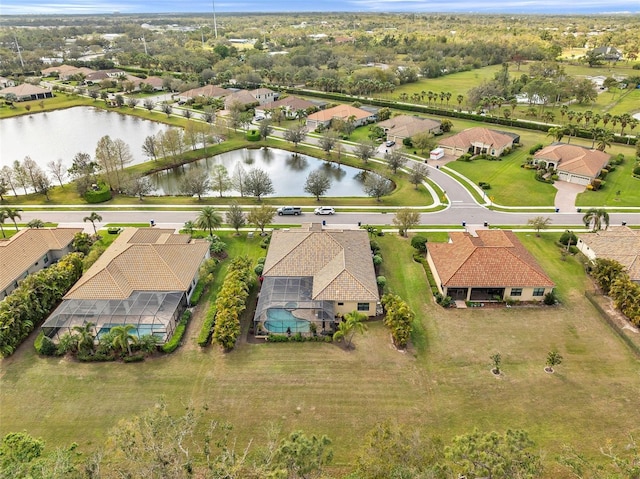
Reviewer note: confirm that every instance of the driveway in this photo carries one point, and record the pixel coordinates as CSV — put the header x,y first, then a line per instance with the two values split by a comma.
x,y
565,199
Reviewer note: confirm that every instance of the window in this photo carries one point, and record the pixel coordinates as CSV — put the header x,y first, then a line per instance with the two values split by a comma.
x,y
538,291
46,258
363,306
340,304
516,291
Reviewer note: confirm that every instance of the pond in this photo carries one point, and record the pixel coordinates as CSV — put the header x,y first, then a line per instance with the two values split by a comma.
x,y
63,133
287,171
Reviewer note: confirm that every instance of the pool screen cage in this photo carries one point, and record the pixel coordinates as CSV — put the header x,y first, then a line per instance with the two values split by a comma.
x,y
150,312
292,295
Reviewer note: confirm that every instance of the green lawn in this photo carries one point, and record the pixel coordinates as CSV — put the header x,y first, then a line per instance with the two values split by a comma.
x,y
443,386
511,185
620,180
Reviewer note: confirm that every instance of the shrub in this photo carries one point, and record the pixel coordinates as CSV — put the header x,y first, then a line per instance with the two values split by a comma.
x,y
398,318
535,148
171,345
419,243
207,327
484,186
636,170
377,260
568,236
550,298
134,358
375,246
197,293
381,281
261,260
102,194
44,345
258,269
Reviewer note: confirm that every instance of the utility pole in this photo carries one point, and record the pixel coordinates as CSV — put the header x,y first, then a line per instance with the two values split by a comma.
x,y
18,48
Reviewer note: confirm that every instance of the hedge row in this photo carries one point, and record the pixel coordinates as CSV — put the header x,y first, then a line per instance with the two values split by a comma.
x,y
99,196
512,122
398,318
231,302
171,345
34,299
207,327
197,293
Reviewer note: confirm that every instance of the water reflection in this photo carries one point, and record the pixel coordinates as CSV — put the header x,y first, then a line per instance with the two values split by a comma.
x,y
288,172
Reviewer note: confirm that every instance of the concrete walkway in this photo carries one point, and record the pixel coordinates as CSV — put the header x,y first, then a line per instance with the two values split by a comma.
x,y
565,199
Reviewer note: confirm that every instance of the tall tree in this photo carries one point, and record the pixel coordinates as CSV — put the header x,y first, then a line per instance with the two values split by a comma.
x,y
58,170
195,182
365,150
258,183
7,177
377,186
235,216
405,219
93,217
149,147
238,179
261,216
265,128
317,184
220,179
395,160
137,185
295,135
12,214
107,158
418,173
328,140
539,223
208,219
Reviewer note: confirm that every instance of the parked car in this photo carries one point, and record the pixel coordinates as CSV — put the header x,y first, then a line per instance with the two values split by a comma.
x,y
289,210
390,143
324,210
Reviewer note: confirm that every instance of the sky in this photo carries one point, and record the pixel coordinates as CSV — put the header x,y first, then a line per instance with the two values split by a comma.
x,y
24,7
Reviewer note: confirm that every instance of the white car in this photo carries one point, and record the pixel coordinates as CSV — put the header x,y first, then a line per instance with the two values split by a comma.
x,y
324,210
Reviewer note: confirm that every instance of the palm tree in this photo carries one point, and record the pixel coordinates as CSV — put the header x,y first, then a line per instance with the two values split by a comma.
x,y
557,132
597,216
122,337
605,138
36,224
12,214
188,227
93,217
3,216
351,324
459,98
208,219
85,337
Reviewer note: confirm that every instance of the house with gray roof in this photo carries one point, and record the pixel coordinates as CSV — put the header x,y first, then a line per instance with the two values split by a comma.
x,y
312,276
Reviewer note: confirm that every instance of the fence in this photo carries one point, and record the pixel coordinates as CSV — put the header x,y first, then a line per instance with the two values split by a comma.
x,y
614,326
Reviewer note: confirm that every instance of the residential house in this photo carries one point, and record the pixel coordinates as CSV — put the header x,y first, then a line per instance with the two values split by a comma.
x,y
478,141
243,98
608,53
289,105
26,92
264,95
342,112
312,276
111,74
400,127
491,266
145,278
207,91
574,163
619,243
31,250
6,82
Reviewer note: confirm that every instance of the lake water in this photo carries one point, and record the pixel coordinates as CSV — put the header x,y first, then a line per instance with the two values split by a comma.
x,y
287,171
63,133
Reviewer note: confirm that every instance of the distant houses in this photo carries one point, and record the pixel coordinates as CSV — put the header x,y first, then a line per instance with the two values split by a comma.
x,y
342,112
26,92
400,127
479,141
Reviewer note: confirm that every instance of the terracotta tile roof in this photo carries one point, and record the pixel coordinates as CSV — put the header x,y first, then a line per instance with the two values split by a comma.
x,y
141,259
261,91
494,258
339,262
243,97
406,126
341,111
575,159
619,243
211,91
27,247
293,102
467,137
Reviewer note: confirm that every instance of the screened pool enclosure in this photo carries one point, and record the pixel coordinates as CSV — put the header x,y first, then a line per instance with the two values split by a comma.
x,y
150,312
285,307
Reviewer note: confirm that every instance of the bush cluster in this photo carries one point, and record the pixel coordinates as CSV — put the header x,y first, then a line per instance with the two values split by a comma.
x,y
197,293
484,186
231,302
535,148
298,338
171,345
32,301
398,318
207,327
102,194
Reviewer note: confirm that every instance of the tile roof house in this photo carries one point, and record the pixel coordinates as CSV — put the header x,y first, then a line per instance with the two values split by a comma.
x,y
311,275
31,250
208,91
400,127
145,278
619,243
264,95
342,112
491,266
479,140
289,105
242,97
575,163
26,92
6,82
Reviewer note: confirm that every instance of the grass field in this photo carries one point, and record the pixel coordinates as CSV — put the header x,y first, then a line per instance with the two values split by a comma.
x,y
442,385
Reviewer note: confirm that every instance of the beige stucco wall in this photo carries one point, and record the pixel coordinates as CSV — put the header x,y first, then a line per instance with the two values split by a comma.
x,y
434,272
527,294
349,306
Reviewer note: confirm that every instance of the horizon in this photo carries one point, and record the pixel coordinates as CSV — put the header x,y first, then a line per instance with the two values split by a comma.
x,y
496,7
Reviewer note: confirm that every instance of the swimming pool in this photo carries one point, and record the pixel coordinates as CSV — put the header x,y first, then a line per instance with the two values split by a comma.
x,y
139,331
282,321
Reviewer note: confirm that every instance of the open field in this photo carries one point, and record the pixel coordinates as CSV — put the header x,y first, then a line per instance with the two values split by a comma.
x,y
443,385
